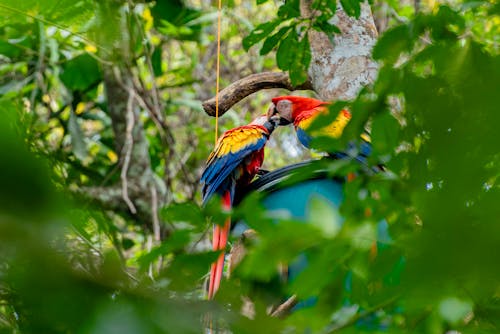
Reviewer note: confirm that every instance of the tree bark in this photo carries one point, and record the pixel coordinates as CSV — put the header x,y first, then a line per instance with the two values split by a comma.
x,y
139,194
240,89
341,66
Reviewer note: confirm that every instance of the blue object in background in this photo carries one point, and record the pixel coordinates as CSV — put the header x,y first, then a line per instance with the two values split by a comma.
x,y
295,198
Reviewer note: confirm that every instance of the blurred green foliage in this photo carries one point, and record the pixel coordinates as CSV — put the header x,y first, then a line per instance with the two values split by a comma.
x,y
69,266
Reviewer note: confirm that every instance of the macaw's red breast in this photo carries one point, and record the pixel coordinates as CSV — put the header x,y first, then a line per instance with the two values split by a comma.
x,y
253,164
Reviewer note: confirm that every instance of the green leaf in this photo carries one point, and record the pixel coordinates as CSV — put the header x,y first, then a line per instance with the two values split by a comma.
x,y
385,133
446,24
324,119
321,271
260,2
446,15
9,50
325,216
187,270
177,241
351,7
259,33
287,51
183,212
326,27
181,22
494,9
156,61
127,243
300,64
364,236
332,5
273,40
392,43
454,310
80,72
281,243
180,32
290,9
77,137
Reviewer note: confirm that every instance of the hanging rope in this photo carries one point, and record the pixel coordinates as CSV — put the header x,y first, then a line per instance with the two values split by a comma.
x,y
219,15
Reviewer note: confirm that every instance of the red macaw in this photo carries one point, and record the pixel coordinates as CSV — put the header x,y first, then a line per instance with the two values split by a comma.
x,y
301,111
235,160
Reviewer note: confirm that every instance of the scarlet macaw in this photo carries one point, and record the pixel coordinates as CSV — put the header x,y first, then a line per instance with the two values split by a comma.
x,y
235,160
301,111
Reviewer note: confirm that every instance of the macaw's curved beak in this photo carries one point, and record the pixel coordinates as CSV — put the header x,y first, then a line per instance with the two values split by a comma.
x,y
271,111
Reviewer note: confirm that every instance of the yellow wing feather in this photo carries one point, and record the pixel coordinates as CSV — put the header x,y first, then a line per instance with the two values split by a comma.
x,y
234,140
334,129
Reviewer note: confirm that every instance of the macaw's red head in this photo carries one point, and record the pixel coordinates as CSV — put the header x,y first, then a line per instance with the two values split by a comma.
x,y
290,107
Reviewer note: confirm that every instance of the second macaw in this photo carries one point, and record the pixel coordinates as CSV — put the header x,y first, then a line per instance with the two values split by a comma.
x,y
235,160
301,111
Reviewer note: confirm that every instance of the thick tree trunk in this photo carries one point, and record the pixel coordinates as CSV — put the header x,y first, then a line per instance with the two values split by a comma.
x,y
138,185
341,66
139,193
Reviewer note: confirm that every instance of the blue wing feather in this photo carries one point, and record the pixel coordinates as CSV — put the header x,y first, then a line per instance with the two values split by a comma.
x,y
217,178
303,137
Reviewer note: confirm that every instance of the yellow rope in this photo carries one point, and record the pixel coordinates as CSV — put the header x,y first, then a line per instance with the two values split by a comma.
x,y
219,15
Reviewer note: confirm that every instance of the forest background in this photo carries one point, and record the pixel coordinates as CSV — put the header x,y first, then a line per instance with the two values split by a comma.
x,y
103,138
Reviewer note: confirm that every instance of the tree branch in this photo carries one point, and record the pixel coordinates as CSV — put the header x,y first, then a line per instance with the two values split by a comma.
x,y
240,89
284,308
363,314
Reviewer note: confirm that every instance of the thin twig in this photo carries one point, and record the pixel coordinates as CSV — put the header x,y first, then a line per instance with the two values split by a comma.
x,y
203,236
127,149
149,247
363,314
154,206
285,307
149,53
100,59
165,134
156,222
